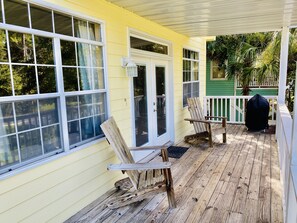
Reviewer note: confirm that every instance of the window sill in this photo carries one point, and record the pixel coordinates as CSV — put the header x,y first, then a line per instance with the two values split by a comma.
x,y
48,160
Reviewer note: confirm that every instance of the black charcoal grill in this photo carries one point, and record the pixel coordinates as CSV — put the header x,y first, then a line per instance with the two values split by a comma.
x,y
257,111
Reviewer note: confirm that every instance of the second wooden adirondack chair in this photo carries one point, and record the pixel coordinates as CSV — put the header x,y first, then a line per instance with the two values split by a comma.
x,y
147,179
202,124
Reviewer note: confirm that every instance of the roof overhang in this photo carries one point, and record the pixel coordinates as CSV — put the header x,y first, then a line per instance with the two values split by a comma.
x,y
215,17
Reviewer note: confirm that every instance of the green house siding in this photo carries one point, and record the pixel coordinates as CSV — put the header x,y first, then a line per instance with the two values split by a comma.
x,y
226,87
218,87
261,91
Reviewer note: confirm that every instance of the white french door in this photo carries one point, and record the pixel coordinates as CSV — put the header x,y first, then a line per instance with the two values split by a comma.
x,y
151,109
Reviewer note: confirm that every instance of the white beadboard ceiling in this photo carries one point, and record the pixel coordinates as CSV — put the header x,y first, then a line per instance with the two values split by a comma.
x,y
215,17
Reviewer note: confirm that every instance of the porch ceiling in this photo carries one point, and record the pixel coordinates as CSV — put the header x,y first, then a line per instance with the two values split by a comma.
x,y
215,17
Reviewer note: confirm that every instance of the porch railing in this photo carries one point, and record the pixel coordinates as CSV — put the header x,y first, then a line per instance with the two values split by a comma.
x,y
268,82
233,107
287,171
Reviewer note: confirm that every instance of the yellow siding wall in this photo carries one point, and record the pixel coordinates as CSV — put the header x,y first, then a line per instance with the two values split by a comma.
x,y
58,189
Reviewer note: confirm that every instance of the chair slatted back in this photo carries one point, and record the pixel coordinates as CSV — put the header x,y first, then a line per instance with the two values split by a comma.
x,y
117,142
196,112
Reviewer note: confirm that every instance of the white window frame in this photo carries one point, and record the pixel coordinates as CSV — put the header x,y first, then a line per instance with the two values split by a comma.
x,y
211,73
60,95
192,75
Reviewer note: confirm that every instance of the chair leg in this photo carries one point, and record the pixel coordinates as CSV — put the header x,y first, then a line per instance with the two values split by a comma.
x,y
171,197
224,137
224,121
169,181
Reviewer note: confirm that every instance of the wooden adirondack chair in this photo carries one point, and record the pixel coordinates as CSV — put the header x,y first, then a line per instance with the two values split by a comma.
x,y
202,124
147,179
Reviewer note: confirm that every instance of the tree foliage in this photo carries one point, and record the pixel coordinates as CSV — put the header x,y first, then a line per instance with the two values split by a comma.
x,y
236,54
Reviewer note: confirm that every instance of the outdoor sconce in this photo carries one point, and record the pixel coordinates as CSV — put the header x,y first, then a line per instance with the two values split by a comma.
x,y
131,67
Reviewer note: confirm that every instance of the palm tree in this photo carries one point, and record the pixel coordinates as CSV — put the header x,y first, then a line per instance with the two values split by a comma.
x,y
236,55
267,63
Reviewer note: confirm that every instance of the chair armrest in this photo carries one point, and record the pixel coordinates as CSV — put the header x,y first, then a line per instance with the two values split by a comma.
x,y
139,166
196,120
221,117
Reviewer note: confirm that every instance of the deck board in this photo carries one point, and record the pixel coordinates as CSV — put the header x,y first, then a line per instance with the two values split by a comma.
x,y
234,182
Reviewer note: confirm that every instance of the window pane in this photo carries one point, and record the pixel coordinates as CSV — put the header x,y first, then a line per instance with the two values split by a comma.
x,y
83,54
72,108
94,30
3,46
70,79
85,105
99,106
26,115
146,45
98,78
41,18
7,125
8,151
80,29
97,56
87,128
68,53
44,50
195,71
16,13
48,111
30,144
195,89
217,72
51,138
5,81
187,93
24,79
85,79
73,132
186,76
47,79
21,47
63,24
1,14
98,121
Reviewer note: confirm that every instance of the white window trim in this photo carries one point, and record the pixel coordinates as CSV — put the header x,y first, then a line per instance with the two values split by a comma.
x,y
211,74
188,82
61,96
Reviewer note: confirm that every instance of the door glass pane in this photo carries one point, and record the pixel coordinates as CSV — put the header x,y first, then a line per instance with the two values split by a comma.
x,y
140,106
161,100
142,44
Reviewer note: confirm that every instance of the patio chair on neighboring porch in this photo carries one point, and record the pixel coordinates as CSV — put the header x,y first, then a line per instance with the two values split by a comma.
x,y
202,124
147,179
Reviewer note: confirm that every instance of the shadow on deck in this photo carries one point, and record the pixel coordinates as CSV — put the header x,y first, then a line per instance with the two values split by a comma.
x,y
234,182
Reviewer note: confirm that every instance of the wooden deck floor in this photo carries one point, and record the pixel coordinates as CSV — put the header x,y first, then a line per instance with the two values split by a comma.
x,y
234,182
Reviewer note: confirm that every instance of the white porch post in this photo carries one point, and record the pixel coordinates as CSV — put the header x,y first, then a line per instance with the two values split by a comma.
x,y
283,65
